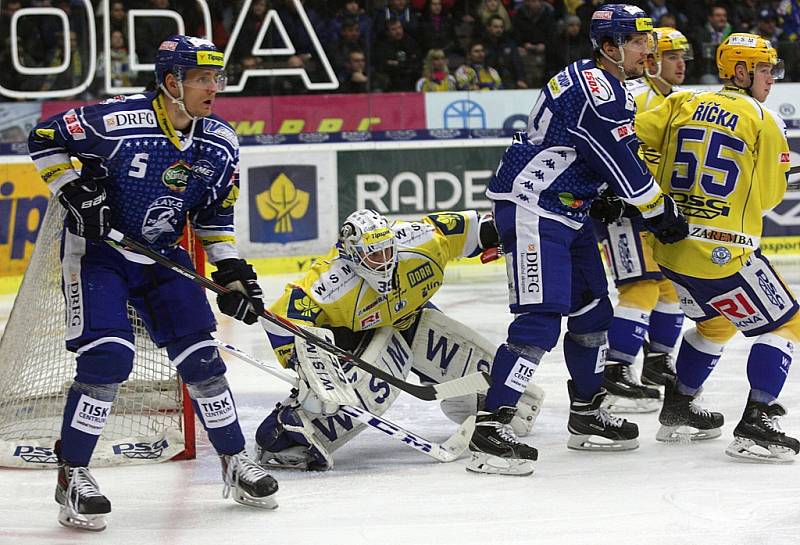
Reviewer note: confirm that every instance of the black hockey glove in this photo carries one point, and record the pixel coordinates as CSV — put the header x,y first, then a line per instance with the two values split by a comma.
x,y
607,207
489,239
244,301
669,226
88,214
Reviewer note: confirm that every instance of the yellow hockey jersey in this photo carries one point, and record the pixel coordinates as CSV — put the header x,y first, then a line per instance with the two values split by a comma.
x,y
331,294
724,158
647,96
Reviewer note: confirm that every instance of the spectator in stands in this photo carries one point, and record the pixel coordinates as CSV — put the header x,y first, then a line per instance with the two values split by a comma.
x,y
493,8
790,11
10,78
352,11
397,10
502,54
397,57
75,73
767,26
571,43
357,78
349,40
118,62
118,18
151,31
458,50
585,11
296,30
251,26
435,26
744,15
668,19
435,75
290,85
715,30
475,75
534,30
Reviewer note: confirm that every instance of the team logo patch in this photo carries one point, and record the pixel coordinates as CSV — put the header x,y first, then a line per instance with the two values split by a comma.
x,y
720,255
744,41
559,83
162,216
302,307
74,127
168,46
176,176
570,201
449,224
35,455
220,129
601,15
129,120
204,170
599,88
784,158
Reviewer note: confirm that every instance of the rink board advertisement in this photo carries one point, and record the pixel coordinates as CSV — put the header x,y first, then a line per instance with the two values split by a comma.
x,y
23,202
412,182
287,202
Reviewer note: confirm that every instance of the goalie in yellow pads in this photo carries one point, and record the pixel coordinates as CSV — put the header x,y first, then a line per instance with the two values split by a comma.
x,y
373,290
724,159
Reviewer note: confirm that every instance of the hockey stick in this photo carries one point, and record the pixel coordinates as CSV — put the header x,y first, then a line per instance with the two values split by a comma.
x,y
448,451
468,384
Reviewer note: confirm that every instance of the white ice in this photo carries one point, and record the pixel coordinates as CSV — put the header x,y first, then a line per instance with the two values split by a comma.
x,y
383,493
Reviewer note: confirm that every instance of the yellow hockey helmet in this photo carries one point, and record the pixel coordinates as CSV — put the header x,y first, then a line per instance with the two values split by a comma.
x,y
750,49
670,39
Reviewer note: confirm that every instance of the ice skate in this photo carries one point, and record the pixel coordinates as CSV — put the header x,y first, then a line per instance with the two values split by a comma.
x,y
82,505
495,448
682,420
658,368
248,482
625,394
759,438
591,427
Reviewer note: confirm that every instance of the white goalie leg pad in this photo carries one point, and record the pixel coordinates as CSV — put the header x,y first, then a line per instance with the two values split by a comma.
x,y
445,349
387,350
323,383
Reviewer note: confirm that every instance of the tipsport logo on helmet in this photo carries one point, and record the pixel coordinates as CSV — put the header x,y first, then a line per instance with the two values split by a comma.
x,y
210,58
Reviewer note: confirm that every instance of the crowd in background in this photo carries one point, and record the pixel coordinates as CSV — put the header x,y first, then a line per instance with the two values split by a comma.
x,y
379,45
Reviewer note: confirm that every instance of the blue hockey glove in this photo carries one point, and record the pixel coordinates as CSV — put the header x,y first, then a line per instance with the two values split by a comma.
x,y
670,226
244,302
88,214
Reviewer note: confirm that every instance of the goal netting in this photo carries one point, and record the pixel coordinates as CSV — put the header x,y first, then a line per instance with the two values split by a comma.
x,y
149,422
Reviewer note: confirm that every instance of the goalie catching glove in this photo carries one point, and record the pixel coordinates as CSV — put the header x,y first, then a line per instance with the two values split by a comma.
x,y
244,302
88,214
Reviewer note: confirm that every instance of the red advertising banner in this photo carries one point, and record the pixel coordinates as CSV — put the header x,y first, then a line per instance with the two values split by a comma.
x,y
308,113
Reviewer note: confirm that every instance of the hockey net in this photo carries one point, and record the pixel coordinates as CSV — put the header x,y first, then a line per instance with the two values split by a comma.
x,y
151,420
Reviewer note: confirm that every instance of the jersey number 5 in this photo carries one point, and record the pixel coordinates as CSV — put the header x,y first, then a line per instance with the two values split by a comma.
x,y
719,173
138,165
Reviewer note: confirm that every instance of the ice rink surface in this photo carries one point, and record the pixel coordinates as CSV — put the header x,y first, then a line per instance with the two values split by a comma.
x,y
383,493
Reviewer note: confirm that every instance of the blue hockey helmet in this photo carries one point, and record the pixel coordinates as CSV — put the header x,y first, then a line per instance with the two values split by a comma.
x,y
616,22
180,53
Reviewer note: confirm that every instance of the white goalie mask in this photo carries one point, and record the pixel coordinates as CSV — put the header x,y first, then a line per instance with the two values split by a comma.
x,y
370,244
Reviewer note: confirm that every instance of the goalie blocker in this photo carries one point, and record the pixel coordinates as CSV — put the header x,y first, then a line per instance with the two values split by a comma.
x,y
302,432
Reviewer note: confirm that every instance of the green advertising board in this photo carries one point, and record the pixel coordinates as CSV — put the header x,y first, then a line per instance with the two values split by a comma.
x,y
414,182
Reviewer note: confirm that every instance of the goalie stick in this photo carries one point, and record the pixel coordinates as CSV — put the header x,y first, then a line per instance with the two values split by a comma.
x,y
448,451
468,384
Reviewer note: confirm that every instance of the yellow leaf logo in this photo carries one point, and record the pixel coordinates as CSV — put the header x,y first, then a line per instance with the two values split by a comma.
x,y
282,202
306,307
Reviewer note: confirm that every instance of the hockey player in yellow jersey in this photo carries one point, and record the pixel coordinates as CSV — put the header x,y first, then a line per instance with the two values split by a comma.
x,y
724,159
647,303
373,289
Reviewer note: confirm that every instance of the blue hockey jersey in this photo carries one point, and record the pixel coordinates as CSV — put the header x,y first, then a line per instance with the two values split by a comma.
x,y
580,139
155,177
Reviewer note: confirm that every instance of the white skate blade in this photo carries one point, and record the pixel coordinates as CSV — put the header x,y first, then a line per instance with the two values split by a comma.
x,y
71,519
494,465
685,434
749,451
629,405
600,444
267,502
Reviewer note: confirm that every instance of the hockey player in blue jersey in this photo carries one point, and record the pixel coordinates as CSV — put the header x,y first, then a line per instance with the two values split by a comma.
x,y
580,139
150,163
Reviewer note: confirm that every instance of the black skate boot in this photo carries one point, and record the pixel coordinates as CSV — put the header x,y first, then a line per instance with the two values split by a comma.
x,y
495,448
758,436
82,505
625,394
658,368
588,421
682,420
251,485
